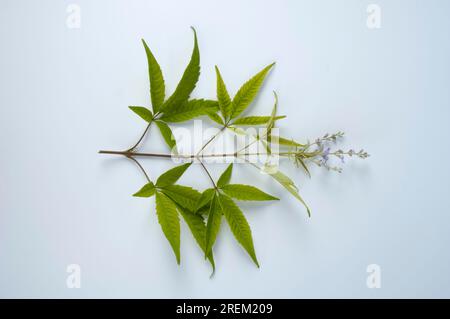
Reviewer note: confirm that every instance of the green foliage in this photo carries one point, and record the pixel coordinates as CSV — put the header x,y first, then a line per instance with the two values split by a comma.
x,y
197,226
203,211
188,80
302,163
178,107
271,123
289,185
166,133
284,141
189,110
157,86
246,192
255,120
231,109
143,112
148,190
238,225
204,199
222,96
169,221
248,91
225,177
184,196
172,175
213,224
216,118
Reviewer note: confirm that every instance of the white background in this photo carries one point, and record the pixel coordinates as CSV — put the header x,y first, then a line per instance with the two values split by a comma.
x,y
64,95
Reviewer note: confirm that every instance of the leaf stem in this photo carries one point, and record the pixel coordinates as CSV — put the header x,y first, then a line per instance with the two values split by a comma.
x,y
140,166
257,138
207,172
211,139
140,139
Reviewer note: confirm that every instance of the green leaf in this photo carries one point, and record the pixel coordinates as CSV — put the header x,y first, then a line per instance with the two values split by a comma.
x,y
166,133
225,177
284,141
288,184
204,211
246,192
238,224
198,229
216,118
184,196
188,80
169,221
143,112
267,146
213,225
147,190
189,110
240,131
271,122
204,199
248,91
302,163
172,175
222,96
157,86
255,120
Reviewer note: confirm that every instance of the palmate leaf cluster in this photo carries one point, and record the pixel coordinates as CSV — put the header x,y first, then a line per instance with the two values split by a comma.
x,y
205,212
202,212
178,107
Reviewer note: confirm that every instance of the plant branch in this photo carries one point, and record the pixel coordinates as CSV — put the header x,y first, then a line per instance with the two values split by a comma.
x,y
140,139
131,153
189,156
210,140
140,166
256,139
207,172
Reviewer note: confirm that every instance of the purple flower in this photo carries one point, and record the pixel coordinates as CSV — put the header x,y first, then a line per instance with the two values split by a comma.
x,y
325,154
